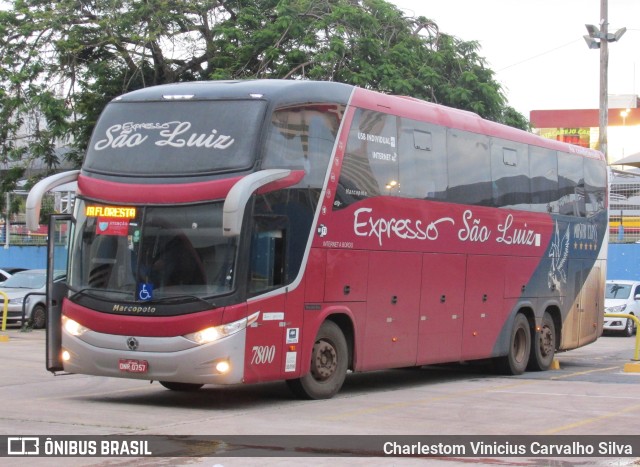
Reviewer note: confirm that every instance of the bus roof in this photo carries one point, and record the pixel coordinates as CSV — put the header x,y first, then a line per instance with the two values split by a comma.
x,y
279,91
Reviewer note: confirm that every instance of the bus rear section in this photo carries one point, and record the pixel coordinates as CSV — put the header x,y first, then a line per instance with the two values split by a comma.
x,y
237,232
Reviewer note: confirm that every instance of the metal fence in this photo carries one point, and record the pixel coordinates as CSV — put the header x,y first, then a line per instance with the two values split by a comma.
x,y
13,231
624,207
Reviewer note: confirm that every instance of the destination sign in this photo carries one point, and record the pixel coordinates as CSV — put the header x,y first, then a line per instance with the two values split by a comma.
x,y
120,212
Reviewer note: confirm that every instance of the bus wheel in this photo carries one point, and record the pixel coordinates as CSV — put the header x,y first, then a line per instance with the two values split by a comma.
x,y
184,387
515,362
329,360
543,345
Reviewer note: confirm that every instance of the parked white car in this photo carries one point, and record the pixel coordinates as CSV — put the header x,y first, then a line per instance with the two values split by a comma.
x,y
6,273
32,285
621,296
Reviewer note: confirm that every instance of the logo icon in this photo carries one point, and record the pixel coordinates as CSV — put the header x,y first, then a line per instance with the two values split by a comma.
x,y
23,446
322,230
132,343
145,291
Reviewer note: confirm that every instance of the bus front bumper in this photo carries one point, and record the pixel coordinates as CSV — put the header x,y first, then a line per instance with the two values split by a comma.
x,y
173,359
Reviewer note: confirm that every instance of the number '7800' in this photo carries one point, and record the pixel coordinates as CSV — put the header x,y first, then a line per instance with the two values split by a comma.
x,y
263,354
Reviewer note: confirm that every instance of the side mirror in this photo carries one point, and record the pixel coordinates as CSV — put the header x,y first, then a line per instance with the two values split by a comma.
x,y
236,200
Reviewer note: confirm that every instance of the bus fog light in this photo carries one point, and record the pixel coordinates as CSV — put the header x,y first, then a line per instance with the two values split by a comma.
x,y
223,366
66,356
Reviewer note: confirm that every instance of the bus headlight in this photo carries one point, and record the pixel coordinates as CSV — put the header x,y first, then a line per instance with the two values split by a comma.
x,y
214,333
73,327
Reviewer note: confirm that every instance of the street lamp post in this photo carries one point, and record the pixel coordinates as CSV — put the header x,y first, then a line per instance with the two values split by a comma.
x,y
624,114
599,38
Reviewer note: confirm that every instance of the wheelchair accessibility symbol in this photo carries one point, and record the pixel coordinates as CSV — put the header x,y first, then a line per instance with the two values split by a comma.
x,y
145,292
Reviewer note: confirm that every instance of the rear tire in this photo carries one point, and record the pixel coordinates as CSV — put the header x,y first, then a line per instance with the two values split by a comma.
x,y
182,387
543,345
329,362
515,362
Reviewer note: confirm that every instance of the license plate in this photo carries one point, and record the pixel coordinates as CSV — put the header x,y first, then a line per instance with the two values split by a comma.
x,y
133,366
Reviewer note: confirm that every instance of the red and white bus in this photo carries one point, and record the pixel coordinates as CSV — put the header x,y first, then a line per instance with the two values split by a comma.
x,y
237,232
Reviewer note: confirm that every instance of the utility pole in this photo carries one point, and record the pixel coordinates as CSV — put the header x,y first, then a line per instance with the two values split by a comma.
x,y
604,79
6,224
599,38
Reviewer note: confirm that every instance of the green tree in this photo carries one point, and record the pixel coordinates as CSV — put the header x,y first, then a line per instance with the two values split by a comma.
x,y
61,62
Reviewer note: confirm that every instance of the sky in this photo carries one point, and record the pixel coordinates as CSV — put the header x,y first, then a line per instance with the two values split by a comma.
x,y
536,47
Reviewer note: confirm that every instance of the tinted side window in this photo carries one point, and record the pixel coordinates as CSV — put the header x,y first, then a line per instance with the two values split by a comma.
x,y
571,185
543,168
423,160
510,174
595,185
469,168
370,166
302,138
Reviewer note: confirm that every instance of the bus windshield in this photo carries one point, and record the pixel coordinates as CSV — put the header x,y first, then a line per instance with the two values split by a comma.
x,y
151,253
157,139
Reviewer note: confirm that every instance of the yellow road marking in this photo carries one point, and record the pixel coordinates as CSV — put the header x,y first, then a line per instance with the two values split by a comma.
x,y
382,408
588,421
397,405
579,373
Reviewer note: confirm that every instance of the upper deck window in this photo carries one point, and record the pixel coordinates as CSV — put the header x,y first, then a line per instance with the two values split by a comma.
x,y
175,138
370,166
302,138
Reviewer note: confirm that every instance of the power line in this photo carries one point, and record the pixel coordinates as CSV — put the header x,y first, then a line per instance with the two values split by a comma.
x,y
548,52
540,55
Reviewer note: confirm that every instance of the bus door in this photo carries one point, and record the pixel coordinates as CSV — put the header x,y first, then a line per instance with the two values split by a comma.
x,y
441,308
593,303
263,354
393,305
484,305
581,325
57,259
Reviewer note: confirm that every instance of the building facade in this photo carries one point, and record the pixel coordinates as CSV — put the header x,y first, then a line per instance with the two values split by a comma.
x,y
581,127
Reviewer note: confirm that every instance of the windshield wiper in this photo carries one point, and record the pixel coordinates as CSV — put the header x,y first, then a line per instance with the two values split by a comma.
x,y
182,297
97,293
87,291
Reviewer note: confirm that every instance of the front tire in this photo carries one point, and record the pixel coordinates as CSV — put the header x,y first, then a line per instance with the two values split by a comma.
x,y
329,362
515,362
543,345
629,328
39,317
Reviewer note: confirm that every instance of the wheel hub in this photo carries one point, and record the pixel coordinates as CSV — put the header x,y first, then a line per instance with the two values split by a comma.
x,y
546,342
324,362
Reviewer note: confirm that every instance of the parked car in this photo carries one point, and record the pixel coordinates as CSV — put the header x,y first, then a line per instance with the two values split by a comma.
x,y
6,273
622,296
31,282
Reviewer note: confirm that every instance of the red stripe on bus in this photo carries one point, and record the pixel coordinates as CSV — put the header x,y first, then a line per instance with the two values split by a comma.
x,y
133,325
134,193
